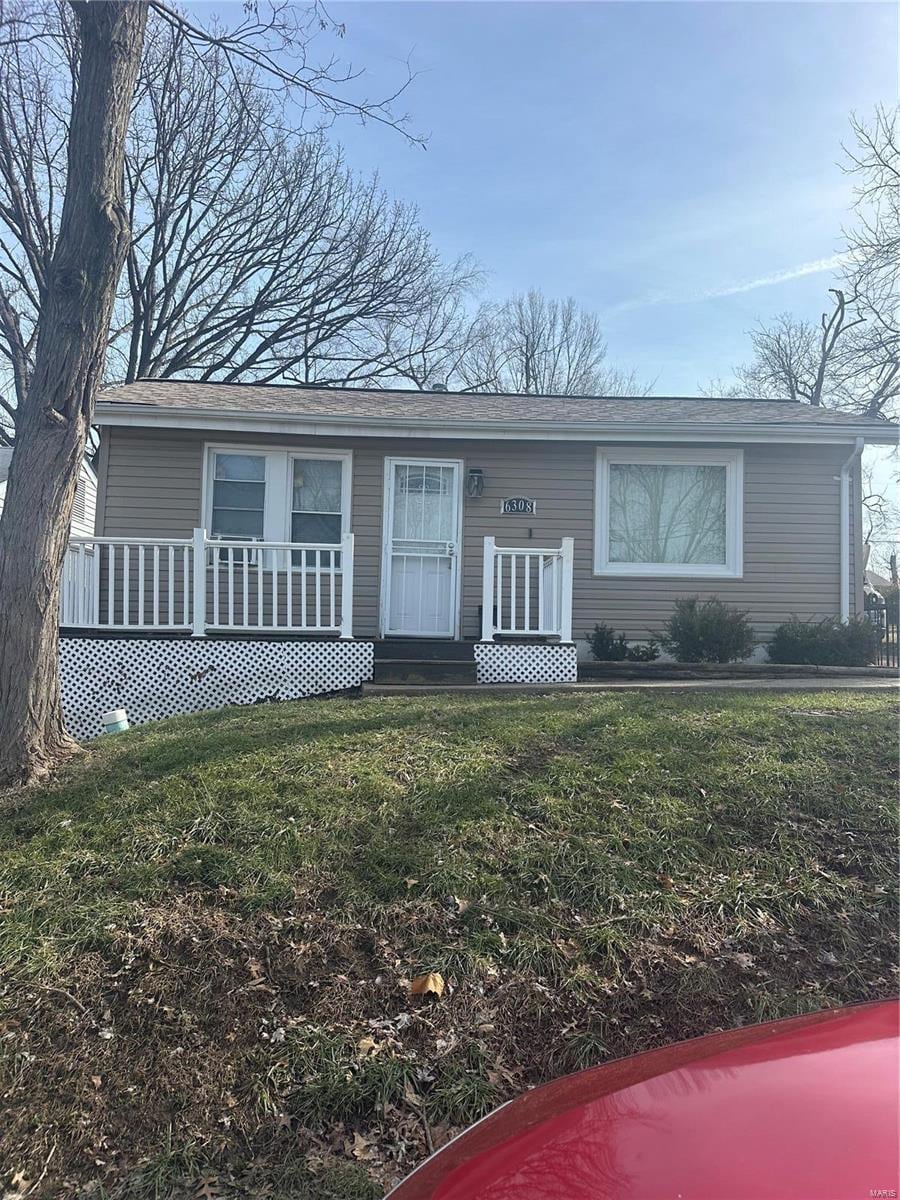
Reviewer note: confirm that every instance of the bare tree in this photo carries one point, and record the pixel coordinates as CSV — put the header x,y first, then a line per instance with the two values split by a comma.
x,y
78,292
255,254
74,290
851,358
532,344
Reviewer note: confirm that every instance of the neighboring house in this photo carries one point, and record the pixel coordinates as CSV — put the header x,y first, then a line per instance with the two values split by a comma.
x,y
85,506
505,524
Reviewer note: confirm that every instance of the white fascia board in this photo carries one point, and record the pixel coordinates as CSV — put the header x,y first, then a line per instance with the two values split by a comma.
x,y
148,416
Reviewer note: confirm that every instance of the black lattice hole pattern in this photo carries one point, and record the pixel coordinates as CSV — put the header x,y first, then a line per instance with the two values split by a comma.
x,y
156,678
497,663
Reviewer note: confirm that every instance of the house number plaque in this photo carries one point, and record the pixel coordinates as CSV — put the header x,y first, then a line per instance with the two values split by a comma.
x,y
517,506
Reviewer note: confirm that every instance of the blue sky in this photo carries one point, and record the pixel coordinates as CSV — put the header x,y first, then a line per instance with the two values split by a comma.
x,y
658,161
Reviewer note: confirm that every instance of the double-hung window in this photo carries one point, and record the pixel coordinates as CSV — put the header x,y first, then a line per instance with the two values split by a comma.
x,y
669,512
277,495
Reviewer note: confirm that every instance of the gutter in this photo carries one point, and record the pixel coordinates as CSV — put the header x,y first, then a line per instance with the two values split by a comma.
x,y
332,424
846,470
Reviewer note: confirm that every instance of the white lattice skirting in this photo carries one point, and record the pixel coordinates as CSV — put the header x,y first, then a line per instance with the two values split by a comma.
x,y
499,662
160,677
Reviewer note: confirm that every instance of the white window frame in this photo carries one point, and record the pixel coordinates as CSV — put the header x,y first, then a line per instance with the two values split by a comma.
x,y
664,456
279,473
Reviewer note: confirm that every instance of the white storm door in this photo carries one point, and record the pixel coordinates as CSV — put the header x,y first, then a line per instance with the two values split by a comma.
x,y
420,580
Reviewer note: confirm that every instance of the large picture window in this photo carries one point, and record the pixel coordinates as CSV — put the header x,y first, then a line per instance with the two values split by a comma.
x,y
669,512
270,495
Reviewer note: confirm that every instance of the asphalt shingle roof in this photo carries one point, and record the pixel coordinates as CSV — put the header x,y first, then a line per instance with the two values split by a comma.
x,y
463,407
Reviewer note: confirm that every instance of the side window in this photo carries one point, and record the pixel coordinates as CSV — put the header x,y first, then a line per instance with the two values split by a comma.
x,y
316,491
238,495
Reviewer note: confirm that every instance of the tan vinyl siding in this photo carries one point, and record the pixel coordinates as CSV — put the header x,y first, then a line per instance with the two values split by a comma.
x,y
152,481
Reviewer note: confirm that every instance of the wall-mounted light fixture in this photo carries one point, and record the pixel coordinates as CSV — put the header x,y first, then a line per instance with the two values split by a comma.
x,y
475,482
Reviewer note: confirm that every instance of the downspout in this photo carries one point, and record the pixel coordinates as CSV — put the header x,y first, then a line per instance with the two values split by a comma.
x,y
846,470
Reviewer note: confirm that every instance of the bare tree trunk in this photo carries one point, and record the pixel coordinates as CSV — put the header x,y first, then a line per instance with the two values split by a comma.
x,y
54,420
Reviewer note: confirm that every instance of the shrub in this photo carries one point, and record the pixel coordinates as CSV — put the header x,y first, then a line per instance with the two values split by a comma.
x,y
827,643
646,652
605,645
608,646
707,631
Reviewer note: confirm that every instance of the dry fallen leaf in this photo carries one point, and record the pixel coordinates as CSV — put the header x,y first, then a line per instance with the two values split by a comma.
x,y
96,1080
430,984
360,1147
366,1046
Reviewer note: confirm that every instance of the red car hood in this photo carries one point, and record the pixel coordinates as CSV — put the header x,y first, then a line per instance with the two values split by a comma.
x,y
802,1109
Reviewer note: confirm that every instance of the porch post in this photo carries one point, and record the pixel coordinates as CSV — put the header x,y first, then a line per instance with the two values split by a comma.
x,y
568,562
347,585
487,592
199,568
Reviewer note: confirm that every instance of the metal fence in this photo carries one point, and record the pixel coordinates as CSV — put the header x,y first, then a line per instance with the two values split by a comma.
x,y
884,615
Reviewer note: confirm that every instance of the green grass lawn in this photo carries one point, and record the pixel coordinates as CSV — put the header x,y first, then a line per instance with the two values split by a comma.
x,y
208,926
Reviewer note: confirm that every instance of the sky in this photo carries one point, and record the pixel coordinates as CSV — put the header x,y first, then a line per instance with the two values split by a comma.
x,y
673,166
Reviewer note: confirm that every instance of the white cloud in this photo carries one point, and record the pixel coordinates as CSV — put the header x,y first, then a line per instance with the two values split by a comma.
x,y
815,267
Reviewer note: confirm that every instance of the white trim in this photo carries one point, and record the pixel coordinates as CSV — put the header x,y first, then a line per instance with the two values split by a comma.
x,y
731,460
386,539
227,420
276,521
846,470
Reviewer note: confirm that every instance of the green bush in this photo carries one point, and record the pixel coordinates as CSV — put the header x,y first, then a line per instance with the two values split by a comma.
x,y
707,631
608,646
827,643
644,651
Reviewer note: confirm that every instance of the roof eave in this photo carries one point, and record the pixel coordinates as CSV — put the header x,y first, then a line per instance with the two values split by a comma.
x,y
158,416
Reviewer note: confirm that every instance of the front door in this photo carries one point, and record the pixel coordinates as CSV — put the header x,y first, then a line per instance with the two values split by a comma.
x,y
420,579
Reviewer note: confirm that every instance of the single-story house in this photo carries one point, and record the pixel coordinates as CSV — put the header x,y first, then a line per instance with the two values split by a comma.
x,y
490,530
85,506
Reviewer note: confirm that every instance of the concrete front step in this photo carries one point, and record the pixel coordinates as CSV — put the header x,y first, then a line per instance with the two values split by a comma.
x,y
424,649
423,671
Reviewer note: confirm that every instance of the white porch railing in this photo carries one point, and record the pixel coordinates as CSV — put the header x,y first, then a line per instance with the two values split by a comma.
x,y
527,591
154,583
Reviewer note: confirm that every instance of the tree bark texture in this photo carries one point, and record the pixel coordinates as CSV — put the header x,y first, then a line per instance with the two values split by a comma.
x,y
54,420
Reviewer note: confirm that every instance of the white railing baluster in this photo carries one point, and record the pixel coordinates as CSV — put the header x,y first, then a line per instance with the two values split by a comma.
x,y
216,567
245,554
318,554
289,590
156,585
110,584
231,585
259,588
303,589
140,554
527,600
502,590
274,573
332,611
126,584
185,584
149,567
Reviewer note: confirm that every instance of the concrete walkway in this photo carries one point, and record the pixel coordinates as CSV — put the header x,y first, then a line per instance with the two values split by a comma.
x,y
812,683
